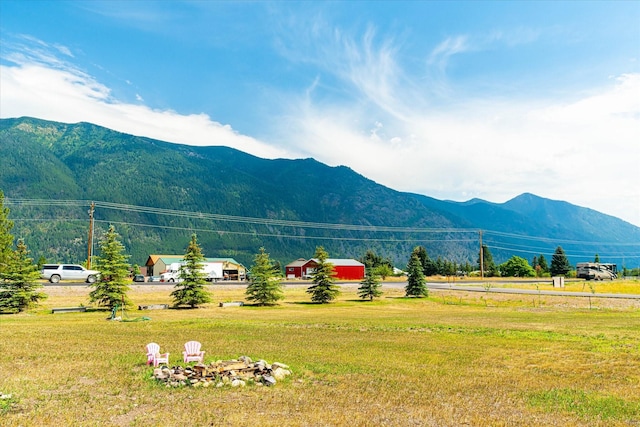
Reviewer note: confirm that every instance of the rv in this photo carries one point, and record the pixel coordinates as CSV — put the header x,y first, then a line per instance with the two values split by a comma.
x,y
596,271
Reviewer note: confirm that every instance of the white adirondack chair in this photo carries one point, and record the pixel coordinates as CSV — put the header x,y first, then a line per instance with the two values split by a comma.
x,y
192,352
154,356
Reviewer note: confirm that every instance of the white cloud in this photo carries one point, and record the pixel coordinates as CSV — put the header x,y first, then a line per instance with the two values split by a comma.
x,y
68,95
584,150
449,47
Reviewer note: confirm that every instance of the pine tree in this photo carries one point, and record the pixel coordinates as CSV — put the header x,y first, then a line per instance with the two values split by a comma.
x,y
416,286
488,264
265,285
190,288
6,238
559,263
323,289
382,267
421,252
111,289
19,281
542,262
370,285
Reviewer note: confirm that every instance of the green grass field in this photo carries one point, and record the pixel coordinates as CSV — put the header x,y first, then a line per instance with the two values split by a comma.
x,y
448,360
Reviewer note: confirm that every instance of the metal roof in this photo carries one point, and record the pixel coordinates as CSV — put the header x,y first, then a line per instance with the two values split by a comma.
x,y
168,259
338,262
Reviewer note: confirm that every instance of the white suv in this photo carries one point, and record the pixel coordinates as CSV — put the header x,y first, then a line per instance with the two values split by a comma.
x,y
56,272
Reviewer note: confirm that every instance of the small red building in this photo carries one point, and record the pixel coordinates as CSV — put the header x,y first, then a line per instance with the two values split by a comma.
x,y
294,269
345,269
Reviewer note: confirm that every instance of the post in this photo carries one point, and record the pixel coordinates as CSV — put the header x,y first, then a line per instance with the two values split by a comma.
x,y
481,257
90,246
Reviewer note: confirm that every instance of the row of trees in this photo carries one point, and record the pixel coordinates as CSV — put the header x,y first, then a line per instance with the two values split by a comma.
x,y
514,267
19,286
519,267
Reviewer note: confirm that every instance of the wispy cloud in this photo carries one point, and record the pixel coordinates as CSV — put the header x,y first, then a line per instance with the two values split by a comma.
x,y
489,147
132,13
441,54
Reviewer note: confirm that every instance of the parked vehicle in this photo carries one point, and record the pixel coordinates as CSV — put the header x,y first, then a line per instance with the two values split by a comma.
x,y
56,272
596,271
212,271
139,278
170,277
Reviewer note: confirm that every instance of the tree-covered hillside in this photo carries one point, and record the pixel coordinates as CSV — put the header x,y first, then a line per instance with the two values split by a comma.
x,y
84,162
157,194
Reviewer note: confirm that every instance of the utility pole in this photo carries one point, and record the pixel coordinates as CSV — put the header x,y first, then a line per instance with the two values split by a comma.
x,y
481,257
90,248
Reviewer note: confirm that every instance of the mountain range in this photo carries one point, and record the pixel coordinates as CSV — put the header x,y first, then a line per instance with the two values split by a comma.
x,y
158,193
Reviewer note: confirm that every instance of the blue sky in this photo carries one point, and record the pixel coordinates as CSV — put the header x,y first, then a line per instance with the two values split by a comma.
x,y
454,100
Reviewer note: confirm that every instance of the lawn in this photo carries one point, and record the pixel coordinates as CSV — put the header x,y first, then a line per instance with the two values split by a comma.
x,y
451,359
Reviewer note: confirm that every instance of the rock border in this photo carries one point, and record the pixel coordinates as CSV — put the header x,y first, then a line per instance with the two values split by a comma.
x,y
234,373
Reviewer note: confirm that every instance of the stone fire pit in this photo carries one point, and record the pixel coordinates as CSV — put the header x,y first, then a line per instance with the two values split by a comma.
x,y
232,373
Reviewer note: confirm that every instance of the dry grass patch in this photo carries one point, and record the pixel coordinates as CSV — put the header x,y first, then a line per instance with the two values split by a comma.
x,y
392,362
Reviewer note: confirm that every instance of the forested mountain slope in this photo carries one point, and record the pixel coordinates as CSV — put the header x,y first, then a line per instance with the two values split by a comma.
x,y
247,202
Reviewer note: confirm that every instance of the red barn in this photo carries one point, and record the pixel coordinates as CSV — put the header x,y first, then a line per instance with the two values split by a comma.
x,y
345,269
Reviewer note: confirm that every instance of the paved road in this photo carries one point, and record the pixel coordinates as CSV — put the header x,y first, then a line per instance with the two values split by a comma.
x,y
431,285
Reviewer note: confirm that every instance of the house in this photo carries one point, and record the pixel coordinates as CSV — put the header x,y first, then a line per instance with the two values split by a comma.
x,y
158,264
294,269
345,269
231,269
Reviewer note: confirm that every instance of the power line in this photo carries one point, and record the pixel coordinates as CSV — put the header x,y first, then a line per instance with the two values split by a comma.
x,y
291,236
272,222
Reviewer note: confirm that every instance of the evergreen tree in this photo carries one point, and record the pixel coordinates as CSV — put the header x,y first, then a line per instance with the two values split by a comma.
x,y
19,281
542,262
41,261
467,267
277,268
421,252
265,286
488,264
111,289
416,284
429,267
373,260
450,268
6,238
559,263
370,285
190,288
323,289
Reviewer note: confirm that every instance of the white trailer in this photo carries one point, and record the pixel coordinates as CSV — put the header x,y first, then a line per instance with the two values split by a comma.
x,y
212,272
